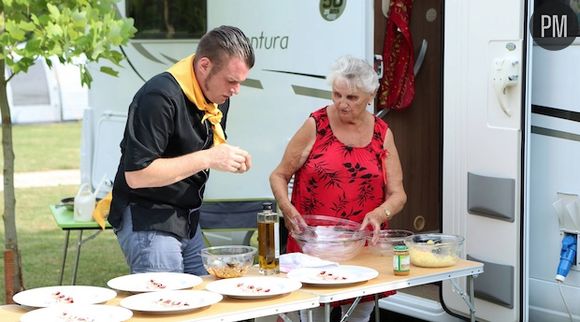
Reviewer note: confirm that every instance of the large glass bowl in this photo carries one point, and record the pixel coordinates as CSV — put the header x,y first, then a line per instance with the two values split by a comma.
x,y
331,238
387,239
228,261
434,250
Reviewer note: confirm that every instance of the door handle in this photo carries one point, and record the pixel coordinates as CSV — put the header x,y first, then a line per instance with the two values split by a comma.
x,y
378,65
385,5
420,57
506,74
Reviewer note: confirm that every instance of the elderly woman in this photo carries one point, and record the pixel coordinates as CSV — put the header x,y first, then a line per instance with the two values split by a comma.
x,y
344,162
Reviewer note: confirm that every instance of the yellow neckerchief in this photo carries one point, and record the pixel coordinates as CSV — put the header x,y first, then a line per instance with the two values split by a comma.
x,y
182,71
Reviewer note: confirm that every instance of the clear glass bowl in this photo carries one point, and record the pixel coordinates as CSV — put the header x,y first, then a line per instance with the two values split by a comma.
x,y
434,250
331,238
228,261
387,239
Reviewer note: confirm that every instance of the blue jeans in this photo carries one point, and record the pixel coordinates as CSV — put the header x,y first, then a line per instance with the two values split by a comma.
x,y
157,251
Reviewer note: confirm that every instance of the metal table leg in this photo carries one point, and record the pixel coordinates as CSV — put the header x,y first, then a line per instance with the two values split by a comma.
x,y
80,242
471,298
350,309
327,312
66,239
76,267
468,297
377,309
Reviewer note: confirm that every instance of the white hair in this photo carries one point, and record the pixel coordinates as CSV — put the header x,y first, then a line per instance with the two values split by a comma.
x,y
356,72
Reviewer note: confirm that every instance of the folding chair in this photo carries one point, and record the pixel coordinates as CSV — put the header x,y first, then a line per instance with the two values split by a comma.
x,y
226,216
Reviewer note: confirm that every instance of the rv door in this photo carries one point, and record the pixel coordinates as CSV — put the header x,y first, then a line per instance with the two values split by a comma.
x,y
484,103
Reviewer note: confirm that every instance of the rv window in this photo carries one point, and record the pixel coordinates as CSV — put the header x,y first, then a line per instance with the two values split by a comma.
x,y
168,19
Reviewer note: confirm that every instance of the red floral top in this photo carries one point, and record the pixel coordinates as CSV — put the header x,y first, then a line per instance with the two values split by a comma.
x,y
339,180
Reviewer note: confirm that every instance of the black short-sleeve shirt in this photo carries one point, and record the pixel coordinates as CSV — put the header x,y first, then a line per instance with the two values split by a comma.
x,y
162,123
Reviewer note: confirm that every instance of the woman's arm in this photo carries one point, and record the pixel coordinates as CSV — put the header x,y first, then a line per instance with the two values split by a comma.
x,y
296,153
395,196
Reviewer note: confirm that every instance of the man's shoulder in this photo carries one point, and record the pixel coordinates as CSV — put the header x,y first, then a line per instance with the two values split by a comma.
x,y
161,84
163,81
158,90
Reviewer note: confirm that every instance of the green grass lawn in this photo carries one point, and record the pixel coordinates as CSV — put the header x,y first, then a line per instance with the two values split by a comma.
x,y
41,244
54,147
51,146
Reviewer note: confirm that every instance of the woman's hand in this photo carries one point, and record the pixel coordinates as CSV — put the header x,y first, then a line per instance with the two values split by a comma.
x,y
294,221
374,218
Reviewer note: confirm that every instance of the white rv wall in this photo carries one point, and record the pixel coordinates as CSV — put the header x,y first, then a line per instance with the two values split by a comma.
x,y
480,138
554,168
261,119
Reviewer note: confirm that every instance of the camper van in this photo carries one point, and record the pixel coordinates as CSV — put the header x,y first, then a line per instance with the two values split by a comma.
x,y
44,94
489,146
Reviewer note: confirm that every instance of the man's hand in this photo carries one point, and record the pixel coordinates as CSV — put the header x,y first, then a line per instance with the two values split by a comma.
x,y
245,166
225,157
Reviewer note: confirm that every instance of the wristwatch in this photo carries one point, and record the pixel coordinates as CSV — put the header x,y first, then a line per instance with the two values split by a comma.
x,y
388,214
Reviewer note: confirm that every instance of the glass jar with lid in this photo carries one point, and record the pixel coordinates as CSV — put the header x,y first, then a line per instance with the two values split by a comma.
x,y
401,260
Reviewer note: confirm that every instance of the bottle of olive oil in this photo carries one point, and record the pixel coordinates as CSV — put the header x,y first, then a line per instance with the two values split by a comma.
x,y
268,240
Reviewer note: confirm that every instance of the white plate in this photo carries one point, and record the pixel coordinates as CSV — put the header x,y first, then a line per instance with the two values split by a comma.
x,y
78,312
150,282
254,287
53,295
170,301
343,274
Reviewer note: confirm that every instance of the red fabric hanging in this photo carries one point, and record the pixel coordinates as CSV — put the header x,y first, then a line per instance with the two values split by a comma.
x,y
397,87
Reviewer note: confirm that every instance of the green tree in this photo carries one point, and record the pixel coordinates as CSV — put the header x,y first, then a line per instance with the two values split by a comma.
x,y
73,31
